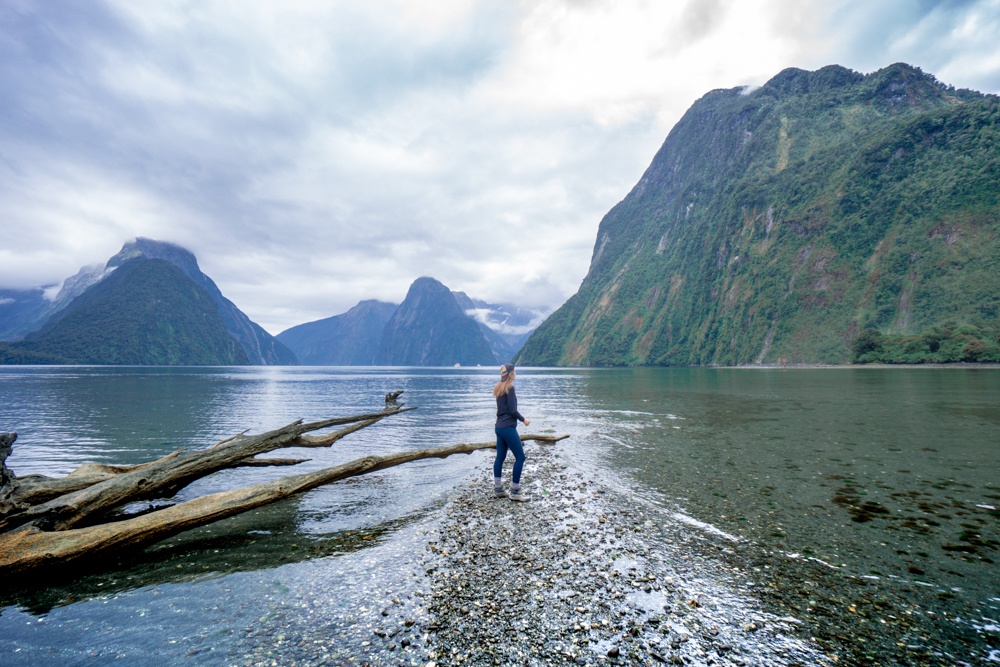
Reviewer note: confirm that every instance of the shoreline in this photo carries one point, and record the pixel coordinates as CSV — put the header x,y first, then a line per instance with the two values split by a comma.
x,y
587,572
581,574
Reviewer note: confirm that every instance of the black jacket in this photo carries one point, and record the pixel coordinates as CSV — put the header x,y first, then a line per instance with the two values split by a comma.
x,y
507,414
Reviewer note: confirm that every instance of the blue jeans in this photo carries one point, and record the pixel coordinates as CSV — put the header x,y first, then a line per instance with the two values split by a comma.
x,y
507,438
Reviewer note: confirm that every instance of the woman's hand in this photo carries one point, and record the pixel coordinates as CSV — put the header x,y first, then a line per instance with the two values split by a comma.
x,y
527,422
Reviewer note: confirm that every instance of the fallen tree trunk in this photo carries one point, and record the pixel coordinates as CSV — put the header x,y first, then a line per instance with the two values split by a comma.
x,y
8,501
166,476
47,522
35,489
29,548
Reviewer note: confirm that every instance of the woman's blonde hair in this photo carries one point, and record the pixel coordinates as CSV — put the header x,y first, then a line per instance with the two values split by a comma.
x,y
505,383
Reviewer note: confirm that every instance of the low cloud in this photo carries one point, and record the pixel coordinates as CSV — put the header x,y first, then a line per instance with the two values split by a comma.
x,y
490,319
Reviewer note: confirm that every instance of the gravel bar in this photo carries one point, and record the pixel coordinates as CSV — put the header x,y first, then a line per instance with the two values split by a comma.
x,y
582,574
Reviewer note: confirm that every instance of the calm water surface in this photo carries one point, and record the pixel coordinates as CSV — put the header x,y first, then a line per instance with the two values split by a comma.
x,y
866,498
814,478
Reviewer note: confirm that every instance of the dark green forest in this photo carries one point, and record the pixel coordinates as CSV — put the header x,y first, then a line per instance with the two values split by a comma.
x,y
948,343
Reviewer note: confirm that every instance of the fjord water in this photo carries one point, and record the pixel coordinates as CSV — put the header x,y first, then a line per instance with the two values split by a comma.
x,y
856,498
864,501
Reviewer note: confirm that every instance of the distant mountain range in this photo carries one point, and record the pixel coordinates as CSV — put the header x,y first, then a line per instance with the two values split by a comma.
x,y
150,304
433,326
353,338
824,217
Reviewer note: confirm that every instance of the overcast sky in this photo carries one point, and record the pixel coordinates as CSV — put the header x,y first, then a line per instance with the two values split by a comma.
x,y
313,154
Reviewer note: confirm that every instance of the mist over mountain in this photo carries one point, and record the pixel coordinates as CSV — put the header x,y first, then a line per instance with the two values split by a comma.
x,y
777,225
19,310
505,325
24,311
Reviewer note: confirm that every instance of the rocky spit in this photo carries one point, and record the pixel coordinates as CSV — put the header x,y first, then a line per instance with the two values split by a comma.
x,y
581,574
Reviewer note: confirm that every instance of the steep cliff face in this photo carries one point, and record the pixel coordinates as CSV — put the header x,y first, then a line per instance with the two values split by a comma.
x,y
773,225
430,329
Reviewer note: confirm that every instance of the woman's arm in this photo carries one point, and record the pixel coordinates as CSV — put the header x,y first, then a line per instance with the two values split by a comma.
x,y
512,403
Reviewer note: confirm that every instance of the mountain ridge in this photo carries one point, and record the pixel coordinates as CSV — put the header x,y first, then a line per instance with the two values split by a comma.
x,y
38,320
145,312
357,337
352,338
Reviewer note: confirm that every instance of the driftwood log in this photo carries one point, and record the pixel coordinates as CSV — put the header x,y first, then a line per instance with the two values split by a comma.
x,y
49,523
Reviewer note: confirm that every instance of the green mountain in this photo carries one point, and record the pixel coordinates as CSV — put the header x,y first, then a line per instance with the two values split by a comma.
x,y
259,346
145,312
776,225
25,311
430,329
349,339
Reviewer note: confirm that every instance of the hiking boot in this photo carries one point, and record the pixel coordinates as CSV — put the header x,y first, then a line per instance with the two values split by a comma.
x,y
518,495
499,492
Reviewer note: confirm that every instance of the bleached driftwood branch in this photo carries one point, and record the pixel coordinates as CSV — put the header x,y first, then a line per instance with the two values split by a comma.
x,y
52,522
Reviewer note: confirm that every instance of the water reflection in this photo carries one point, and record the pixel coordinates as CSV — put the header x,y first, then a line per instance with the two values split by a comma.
x,y
810,457
260,540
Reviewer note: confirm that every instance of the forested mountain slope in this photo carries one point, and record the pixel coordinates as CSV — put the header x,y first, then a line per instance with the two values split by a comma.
x,y
430,329
146,312
775,225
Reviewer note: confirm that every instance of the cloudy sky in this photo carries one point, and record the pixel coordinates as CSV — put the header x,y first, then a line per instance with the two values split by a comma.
x,y
316,153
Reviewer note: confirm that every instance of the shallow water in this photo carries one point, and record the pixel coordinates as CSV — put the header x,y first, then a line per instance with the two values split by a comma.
x,y
831,478
309,569
814,479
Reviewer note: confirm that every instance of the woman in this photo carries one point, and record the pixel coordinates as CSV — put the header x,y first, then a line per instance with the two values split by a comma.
x,y
506,429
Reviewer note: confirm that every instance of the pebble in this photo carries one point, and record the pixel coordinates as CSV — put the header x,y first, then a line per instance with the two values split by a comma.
x,y
572,577
580,574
